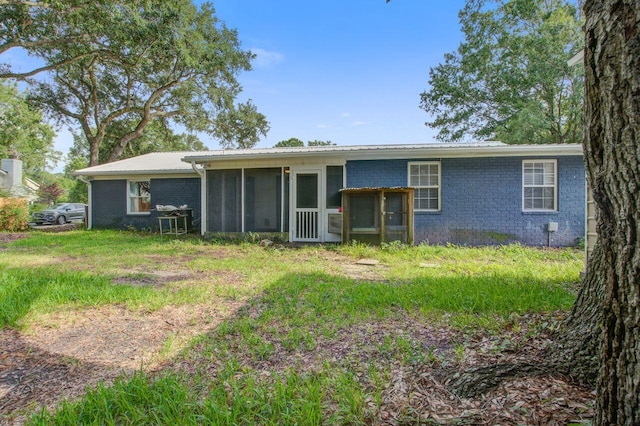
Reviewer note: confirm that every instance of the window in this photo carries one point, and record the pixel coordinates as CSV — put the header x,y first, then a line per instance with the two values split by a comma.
x,y
539,185
334,185
425,178
139,196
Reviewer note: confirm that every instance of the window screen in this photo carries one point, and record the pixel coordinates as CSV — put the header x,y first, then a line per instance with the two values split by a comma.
x,y
363,213
334,185
224,201
262,192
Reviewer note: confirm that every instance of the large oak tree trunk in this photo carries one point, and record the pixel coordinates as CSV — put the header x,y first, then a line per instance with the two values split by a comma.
x,y
600,340
612,156
575,352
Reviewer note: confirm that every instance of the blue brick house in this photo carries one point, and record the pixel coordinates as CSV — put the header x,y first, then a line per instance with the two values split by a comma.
x,y
479,193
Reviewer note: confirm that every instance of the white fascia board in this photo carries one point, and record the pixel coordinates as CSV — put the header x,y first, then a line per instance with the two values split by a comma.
x,y
120,173
143,175
270,162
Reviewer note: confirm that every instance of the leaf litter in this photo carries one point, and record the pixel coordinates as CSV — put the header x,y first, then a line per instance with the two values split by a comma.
x,y
59,358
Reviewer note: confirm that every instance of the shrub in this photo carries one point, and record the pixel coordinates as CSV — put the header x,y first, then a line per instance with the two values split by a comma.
x,y
14,214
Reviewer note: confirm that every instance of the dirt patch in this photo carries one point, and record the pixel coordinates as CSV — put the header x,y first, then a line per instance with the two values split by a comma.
x,y
9,237
58,228
31,377
81,348
115,336
362,272
153,278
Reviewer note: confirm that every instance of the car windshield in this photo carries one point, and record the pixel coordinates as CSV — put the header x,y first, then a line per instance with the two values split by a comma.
x,y
59,206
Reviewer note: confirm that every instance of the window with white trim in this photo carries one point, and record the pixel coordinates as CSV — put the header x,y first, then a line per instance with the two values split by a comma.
x,y
425,178
539,185
139,196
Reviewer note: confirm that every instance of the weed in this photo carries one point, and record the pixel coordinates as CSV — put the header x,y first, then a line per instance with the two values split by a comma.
x,y
295,301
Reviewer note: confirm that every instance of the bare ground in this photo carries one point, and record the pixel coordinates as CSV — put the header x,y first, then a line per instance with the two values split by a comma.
x,y
64,353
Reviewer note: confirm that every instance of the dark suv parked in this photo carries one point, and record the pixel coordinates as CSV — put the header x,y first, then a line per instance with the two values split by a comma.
x,y
60,214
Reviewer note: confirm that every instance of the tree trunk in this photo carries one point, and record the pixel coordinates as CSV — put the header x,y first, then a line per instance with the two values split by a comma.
x,y
94,150
612,156
575,352
599,342
575,349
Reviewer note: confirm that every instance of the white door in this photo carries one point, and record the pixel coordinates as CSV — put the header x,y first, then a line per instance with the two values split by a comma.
x,y
306,223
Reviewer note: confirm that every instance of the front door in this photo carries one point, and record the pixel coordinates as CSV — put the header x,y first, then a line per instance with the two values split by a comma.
x,y
306,222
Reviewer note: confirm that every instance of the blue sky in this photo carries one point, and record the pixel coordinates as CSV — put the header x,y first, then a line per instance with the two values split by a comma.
x,y
347,71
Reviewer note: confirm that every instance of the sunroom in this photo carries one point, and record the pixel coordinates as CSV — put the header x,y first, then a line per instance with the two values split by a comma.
x,y
289,199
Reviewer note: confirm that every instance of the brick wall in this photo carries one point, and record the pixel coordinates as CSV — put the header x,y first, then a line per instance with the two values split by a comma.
x,y
109,202
481,201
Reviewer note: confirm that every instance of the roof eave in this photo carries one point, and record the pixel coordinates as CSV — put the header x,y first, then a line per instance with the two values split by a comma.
x,y
132,172
398,153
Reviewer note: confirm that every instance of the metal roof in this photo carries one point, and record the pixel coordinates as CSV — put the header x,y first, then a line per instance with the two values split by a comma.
x,y
153,163
350,151
375,152
180,162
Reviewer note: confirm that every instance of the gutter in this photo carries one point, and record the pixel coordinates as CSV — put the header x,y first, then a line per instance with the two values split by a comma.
x,y
195,168
83,179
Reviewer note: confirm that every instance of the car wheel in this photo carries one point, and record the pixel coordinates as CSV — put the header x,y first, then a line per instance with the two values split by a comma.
x,y
61,220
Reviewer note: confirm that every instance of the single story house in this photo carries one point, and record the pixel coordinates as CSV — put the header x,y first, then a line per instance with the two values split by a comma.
x,y
462,193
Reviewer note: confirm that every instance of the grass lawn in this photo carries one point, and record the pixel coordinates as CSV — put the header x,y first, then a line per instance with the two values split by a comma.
x,y
169,331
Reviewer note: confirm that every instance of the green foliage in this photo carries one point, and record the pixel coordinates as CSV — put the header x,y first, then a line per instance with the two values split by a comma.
x,y
319,143
138,62
70,27
295,142
14,214
23,130
509,78
78,192
291,142
239,127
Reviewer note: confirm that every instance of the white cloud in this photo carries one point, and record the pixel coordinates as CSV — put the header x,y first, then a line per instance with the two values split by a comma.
x,y
345,115
321,126
358,123
265,58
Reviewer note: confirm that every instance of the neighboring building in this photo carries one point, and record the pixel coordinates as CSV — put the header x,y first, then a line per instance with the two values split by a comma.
x,y
13,183
480,193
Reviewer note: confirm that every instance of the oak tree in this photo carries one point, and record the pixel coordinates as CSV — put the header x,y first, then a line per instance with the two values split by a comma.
x,y
143,61
509,79
23,130
291,142
612,157
43,27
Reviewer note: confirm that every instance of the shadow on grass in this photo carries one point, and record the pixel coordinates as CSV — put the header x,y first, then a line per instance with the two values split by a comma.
x,y
23,288
306,350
